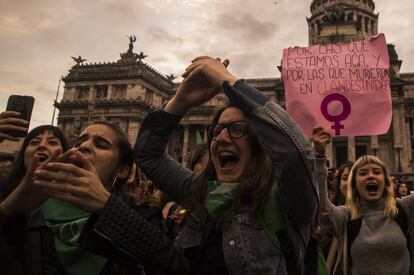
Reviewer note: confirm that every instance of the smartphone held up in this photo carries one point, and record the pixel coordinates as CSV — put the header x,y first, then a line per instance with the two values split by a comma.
x,y
22,105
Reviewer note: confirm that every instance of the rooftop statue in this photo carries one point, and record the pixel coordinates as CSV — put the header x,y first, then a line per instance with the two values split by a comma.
x,y
132,39
78,60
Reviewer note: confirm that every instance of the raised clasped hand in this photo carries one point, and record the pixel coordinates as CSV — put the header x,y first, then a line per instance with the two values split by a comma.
x,y
203,79
320,139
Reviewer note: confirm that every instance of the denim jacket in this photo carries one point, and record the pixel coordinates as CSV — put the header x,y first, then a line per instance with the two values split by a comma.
x,y
246,248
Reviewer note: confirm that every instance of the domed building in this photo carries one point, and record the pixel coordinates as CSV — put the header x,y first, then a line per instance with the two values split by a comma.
x,y
332,21
124,91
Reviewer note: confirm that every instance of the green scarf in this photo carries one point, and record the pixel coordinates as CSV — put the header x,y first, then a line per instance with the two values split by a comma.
x,y
272,221
269,215
219,197
322,266
67,223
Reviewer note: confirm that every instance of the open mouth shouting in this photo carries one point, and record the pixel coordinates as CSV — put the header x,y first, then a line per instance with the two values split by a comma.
x,y
228,160
229,165
371,190
42,157
370,182
372,187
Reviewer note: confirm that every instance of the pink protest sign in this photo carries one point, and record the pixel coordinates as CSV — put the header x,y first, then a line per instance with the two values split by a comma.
x,y
342,87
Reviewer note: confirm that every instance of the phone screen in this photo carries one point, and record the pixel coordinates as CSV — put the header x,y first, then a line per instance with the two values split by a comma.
x,y
23,105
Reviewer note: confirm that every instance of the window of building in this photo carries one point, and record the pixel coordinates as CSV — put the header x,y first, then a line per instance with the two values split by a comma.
x,y
318,27
83,92
341,155
119,91
101,91
360,150
359,23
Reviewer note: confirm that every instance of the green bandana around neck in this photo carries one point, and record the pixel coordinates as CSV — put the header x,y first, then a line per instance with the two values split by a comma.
x,y
220,196
270,216
67,221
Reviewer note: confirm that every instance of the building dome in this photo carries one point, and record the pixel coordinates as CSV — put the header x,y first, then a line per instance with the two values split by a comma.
x,y
341,20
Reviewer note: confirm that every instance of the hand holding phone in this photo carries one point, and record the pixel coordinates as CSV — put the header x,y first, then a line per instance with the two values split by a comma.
x,y
14,122
11,123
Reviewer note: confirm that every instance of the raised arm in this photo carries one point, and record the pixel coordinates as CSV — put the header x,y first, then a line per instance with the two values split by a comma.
x,y
338,215
202,80
151,156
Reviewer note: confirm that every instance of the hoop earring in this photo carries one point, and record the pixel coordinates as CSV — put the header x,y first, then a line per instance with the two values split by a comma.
x,y
114,183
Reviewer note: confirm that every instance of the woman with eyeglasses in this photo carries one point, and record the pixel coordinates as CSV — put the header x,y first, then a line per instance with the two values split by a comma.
x,y
246,214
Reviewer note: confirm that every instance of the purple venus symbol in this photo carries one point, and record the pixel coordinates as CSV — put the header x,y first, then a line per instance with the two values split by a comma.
x,y
346,110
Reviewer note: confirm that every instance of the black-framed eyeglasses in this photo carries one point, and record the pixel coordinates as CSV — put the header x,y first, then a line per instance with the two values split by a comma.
x,y
236,129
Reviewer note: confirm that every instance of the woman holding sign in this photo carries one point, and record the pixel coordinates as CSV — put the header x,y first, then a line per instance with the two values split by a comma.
x,y
373,227
246,215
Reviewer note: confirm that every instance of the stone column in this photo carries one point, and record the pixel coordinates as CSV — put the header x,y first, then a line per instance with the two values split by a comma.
x,y
185,142
109,96
205,135
351,148
407,144
397,134
91,95
374,146
133,130
329,153
374,28
369,26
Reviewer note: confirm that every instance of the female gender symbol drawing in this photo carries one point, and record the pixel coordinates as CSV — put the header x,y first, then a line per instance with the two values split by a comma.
x,y
346,110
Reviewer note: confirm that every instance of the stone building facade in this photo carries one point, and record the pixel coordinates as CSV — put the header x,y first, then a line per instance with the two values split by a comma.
x,y
123,92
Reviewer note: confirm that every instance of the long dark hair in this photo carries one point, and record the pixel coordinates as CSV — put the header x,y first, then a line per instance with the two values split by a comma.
x,y
18,169
398,195
197,154
340,197
255,182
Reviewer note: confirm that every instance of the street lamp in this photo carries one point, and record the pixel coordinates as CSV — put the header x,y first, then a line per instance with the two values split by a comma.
x,y
375,149
398,147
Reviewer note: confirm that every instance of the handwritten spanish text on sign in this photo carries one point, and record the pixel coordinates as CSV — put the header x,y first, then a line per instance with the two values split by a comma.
x,y
343,87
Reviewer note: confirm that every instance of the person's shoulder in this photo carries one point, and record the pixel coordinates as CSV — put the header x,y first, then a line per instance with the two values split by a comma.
x,y
148,211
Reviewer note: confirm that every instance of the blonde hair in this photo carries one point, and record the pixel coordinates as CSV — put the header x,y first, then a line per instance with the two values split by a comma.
x,y
352,196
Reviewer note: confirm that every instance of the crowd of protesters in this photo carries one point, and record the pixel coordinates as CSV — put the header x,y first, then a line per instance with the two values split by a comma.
x,y
256,198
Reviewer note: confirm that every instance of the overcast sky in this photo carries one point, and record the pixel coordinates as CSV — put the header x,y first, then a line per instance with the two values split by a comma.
x,y
38,37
